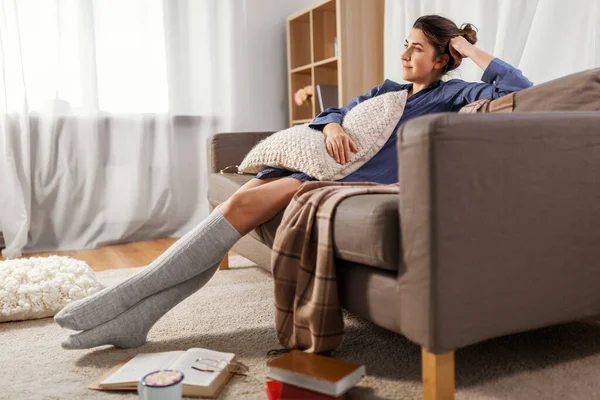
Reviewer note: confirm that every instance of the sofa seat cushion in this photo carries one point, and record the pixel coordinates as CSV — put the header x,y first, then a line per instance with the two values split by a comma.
x,y
366,227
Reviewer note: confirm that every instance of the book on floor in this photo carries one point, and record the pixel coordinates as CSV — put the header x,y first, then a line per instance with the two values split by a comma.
x,y
316,373
196,383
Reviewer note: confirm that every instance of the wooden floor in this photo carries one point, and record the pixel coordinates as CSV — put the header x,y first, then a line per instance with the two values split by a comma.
x,y
126,255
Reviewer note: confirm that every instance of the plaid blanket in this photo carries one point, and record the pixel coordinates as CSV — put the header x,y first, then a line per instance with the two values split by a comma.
x,y
308,314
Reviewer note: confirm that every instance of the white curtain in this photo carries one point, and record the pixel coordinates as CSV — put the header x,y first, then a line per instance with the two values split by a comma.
x,y
546,39
105,109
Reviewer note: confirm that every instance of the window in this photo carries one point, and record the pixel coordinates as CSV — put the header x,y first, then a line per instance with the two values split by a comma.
x,y
105,55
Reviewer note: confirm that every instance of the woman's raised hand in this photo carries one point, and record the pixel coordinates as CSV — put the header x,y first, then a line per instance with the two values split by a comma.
x,y
461,48
339,144
460,45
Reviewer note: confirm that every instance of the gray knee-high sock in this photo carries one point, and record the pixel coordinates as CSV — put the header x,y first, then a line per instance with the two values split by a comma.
x,y
131,328
200,249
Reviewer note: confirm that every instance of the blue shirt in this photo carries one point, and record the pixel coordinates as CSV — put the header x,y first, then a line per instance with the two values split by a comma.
x,y
499,79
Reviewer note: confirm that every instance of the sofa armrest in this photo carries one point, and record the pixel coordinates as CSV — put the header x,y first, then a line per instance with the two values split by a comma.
x,y
500,224
225,149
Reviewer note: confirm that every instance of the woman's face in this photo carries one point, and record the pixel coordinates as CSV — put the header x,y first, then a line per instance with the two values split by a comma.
x,y
419,62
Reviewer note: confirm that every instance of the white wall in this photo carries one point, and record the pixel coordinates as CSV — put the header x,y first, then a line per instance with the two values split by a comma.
x,y
259,74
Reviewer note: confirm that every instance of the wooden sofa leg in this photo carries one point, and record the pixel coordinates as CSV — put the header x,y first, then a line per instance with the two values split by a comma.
x,y
438,375
225,263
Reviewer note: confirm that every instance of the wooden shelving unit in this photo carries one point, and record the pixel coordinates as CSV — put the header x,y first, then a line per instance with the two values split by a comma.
x,y
335,42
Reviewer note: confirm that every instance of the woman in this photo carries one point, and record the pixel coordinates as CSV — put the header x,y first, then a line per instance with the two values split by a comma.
x,y
122,315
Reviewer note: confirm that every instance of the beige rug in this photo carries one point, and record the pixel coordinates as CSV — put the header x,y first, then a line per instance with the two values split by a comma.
x,y
234,313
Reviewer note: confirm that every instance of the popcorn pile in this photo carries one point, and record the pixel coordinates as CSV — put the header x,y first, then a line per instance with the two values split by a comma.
x,y
163,378
39,287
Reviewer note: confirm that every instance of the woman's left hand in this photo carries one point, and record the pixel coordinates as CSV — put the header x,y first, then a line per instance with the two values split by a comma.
x,y
460,48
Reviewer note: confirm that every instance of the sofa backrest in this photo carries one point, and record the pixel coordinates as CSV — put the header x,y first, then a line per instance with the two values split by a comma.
x,y
575,92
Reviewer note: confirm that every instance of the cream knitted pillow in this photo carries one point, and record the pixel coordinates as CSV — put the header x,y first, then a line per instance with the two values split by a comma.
x,y
39,287
301,148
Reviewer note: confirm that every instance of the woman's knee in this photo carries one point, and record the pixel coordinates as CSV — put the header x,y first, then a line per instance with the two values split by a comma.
x,y
238,200
239,206
253,203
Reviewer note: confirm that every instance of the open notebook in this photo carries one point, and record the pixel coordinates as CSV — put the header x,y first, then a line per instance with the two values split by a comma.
x,y
126,375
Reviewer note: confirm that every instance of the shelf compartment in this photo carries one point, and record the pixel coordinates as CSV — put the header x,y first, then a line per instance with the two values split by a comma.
x,y
302,68
299,39
299,80
326,74
326,61
324,31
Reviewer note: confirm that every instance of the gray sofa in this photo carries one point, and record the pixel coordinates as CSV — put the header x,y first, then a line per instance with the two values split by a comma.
x,y
496,230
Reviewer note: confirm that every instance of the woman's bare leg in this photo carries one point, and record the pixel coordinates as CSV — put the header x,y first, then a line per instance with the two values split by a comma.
x,y
253,183
258,202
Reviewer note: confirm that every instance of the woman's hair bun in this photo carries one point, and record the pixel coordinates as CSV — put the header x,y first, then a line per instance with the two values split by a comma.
x,y
469,32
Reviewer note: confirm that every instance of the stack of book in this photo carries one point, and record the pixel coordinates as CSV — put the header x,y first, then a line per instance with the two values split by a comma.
x,y
300,375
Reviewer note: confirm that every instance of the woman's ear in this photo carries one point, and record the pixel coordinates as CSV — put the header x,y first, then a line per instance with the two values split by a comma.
x,y
441,61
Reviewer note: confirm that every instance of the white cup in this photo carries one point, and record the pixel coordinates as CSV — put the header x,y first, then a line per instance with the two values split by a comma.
x,y
161,385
